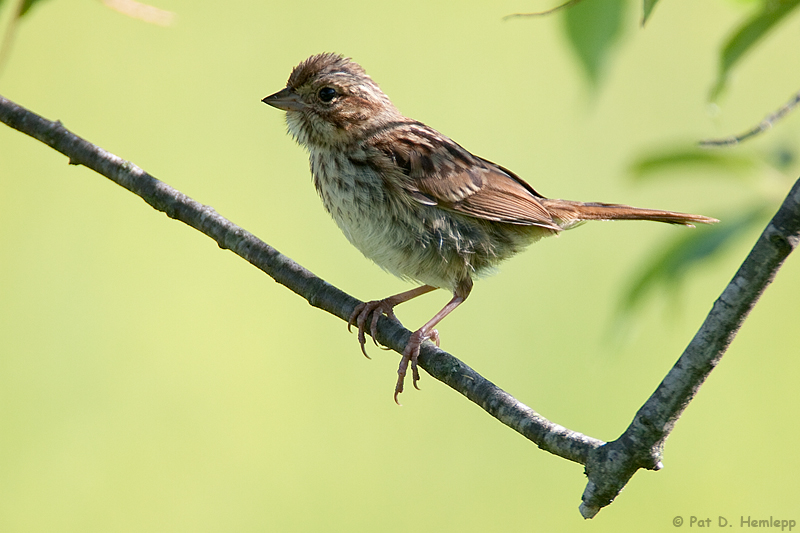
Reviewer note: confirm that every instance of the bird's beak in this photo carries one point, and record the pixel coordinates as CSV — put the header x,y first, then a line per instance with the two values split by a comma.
x,y
285,99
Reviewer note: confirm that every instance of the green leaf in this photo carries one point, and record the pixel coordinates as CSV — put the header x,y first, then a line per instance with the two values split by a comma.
x,y
680,159
748,35
27,6
669,267
647,8
592,27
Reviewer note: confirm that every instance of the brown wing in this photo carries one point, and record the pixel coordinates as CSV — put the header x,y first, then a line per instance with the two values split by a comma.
x,y
440,172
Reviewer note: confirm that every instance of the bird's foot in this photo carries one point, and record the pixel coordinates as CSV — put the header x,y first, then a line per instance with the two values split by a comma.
x,y
410,356
361,318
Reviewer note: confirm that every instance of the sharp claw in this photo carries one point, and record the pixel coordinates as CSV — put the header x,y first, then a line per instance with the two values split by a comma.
x,y
410,356
364,349
401,376
362,341
373,327
414,373
361,323
399,387
354,316
414,370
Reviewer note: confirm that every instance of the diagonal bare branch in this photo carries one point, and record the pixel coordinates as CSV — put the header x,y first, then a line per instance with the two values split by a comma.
x,y
759,128
438,363
550,11
642,444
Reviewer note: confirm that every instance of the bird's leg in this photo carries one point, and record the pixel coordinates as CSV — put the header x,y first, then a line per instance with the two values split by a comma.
x,y
411,352
376,308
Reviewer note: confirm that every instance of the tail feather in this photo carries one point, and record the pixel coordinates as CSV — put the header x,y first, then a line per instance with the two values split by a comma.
x,y
573,212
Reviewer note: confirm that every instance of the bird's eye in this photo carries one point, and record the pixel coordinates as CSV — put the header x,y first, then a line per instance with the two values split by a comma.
x,y
326,94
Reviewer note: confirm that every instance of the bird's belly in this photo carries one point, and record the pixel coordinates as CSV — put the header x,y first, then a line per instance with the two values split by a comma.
x,y
413,241
386,234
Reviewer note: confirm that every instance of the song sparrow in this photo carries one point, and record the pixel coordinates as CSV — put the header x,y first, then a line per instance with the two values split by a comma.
x,y
412,200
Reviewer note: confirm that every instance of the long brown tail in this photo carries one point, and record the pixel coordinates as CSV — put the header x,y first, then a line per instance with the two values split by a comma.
x,y
572,212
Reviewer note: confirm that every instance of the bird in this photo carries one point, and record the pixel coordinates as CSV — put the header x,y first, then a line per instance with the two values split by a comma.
x,y
413,200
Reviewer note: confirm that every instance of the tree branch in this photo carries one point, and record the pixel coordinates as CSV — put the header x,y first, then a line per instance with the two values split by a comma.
x,y
642,444
559,7
609,466
438,363
761,127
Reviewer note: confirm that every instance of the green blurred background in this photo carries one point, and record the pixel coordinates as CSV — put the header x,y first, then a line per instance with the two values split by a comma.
x,y
150,381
